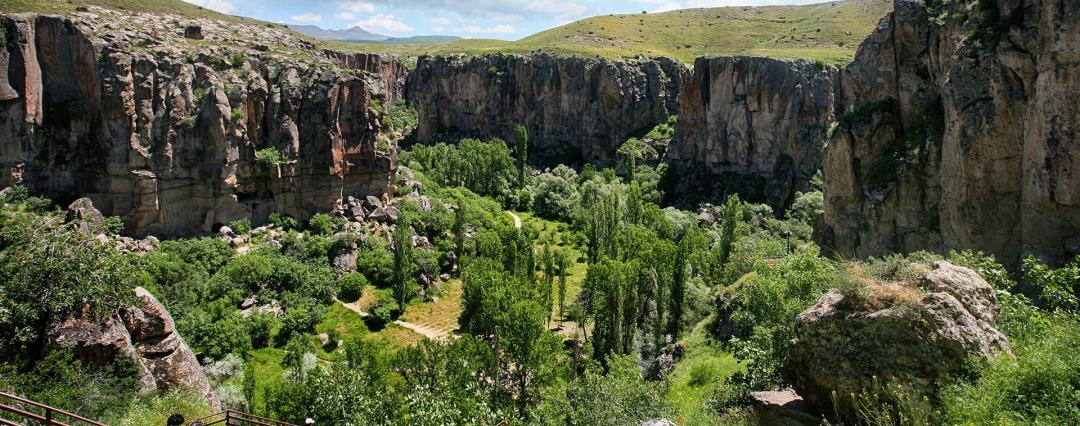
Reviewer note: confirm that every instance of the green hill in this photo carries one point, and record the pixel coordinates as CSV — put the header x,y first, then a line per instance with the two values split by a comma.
x,y
828,31
62,7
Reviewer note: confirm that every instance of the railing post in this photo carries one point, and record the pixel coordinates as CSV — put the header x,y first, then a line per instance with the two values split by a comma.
x,y
48,416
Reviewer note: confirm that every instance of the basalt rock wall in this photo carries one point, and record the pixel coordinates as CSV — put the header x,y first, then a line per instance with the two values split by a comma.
x,y
575,110
752,126
166,137
960,131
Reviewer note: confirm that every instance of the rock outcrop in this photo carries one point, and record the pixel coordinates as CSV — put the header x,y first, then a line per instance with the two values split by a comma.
x,y
146,335
576,110
894,334
961,130
122,109
752,126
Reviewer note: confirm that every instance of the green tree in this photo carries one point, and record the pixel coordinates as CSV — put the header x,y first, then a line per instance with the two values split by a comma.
x,y
562,259
521,148
631,151
249,386
459,229
404,284
730,215
548,261
613,290
602,212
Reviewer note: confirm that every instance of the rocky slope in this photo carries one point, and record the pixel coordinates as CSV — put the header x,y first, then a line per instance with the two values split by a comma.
x,y
158,119
146,335
755,126
960,131
576,110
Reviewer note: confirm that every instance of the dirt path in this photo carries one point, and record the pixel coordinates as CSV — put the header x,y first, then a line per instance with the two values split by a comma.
x,y
517,219
422,330
425,331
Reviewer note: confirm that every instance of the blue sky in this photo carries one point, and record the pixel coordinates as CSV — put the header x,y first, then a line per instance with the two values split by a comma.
x,y
502,19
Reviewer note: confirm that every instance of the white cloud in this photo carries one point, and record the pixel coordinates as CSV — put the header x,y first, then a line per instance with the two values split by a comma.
x,y
307,18
555,7
440,21
223,6
664,7
357,6
503,17
498,29
383,23
345,15
438,30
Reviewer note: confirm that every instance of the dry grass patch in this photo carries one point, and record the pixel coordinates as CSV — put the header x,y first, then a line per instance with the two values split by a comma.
x,y
864,291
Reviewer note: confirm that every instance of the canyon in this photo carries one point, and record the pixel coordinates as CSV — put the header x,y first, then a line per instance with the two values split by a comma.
x,y
575,110
944,133
166,138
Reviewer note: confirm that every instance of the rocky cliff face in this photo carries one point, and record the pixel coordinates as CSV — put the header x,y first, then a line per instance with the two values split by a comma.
x,y
146,335
960,131
576,110
753,126
163,131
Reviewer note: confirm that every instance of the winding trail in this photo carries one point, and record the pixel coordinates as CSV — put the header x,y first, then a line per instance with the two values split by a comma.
x,y
422,330
517,219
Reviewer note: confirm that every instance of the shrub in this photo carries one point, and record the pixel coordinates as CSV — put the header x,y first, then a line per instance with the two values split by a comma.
x,y
237,60
283,222
383,314
115,225
269,157
241,226
351,287
321,224
209,254
1039,385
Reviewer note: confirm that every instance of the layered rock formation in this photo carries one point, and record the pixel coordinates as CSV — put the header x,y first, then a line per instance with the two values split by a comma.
x,y
892,334
752,126
146,335
120,108
961,131
576,110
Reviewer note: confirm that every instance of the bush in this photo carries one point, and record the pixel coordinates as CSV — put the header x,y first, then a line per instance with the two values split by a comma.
x,y
283,222
46,270
115,225
269,157
321,224
1039,385
241,226
351,287
209,254
155,410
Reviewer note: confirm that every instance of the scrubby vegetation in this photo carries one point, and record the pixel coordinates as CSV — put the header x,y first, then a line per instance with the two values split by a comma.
x,y
602,308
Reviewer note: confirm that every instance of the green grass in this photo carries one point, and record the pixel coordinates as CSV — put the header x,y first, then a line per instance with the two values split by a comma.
x,y
441,315
268,371
696,376
829,32
175,7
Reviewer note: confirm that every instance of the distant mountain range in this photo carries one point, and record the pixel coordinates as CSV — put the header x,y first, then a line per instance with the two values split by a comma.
x,y
357,34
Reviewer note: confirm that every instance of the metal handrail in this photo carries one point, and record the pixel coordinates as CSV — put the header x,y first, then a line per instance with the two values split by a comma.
x,y
48,418
236,418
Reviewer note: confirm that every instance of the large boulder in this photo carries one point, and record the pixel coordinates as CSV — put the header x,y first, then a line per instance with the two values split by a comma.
x,y
83,213
145,334
908,334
